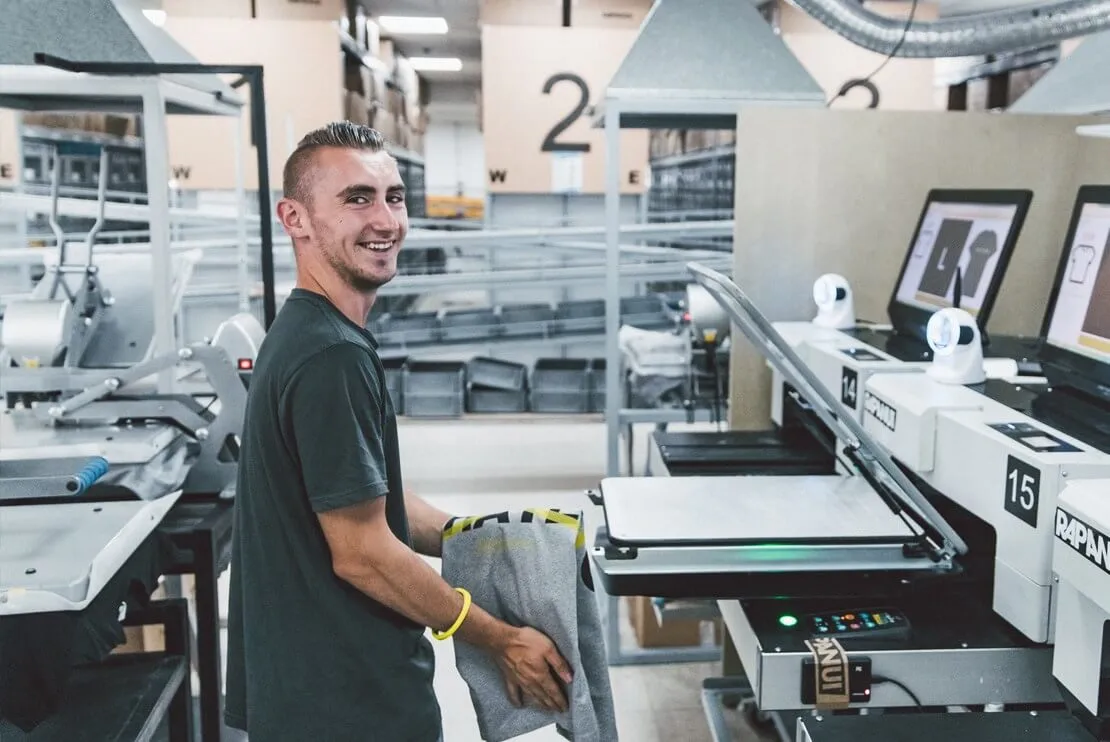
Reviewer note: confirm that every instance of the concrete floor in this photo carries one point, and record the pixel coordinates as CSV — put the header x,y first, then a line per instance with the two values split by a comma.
x,y
476,466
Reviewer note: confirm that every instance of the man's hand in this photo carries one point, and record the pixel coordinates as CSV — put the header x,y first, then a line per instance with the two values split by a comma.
x,y
530,663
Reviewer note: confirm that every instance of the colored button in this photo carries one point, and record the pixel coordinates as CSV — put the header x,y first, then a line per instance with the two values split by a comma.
x,y
849,616
855,626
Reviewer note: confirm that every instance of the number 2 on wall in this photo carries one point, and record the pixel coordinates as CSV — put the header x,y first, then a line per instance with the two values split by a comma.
x,y
549,143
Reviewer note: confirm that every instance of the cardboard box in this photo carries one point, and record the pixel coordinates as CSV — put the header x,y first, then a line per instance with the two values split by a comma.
x,y
674,633
387,54
609,13
356,110
207,8
304,90
387,124
11,169
520,13
301,10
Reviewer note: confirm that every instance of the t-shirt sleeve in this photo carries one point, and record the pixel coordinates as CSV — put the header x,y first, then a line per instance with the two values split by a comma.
x,y
336,414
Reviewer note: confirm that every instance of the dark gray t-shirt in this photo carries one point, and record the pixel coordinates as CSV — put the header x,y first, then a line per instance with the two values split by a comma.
x,y
309,656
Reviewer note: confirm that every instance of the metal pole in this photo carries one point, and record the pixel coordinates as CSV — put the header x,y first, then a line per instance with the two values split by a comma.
x,y
156,145
612,287
258,136
241,223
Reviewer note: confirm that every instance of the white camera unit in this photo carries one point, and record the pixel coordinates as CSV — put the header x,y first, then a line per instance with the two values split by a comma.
x,y
835,308
957,348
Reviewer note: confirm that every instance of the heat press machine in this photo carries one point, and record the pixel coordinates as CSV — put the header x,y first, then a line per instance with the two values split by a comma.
x,y
117,462
864,556
1028,439
1081,569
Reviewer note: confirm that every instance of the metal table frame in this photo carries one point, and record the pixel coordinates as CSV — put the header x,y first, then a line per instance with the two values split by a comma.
x,y
202,531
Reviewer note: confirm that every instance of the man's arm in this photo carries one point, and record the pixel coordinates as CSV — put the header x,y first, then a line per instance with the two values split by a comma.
x,y
366,554
425,525
336,413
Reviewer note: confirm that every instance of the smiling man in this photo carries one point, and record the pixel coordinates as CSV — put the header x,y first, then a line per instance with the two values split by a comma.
x,y
330,597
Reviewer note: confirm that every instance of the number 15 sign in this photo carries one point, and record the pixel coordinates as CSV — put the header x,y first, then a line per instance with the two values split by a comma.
x,y
539,87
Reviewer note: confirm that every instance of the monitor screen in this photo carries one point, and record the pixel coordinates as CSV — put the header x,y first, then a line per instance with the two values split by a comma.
x,y
1080,319
957,235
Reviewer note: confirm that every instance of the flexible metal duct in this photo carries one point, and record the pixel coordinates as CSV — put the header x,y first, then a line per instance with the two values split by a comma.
x,y
984,33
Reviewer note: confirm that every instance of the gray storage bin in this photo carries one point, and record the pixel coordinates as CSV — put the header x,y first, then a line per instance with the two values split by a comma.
x,y
469,324
561,375
409,329
435,378
526,320
638,311
560,402
421,404
580,316
497,400
492,373
597,385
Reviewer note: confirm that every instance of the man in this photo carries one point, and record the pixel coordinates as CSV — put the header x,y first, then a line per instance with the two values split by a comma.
x,y
329,594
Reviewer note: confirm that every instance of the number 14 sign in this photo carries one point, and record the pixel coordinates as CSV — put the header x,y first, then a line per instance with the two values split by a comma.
x,y
539,88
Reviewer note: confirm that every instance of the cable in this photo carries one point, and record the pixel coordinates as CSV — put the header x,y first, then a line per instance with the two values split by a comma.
x,y
866,81
880,680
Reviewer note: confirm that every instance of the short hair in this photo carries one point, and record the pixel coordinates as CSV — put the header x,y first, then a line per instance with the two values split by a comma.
x,y
340,134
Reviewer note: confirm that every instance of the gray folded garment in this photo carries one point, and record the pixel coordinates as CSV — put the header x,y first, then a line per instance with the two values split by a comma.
x,y
529,568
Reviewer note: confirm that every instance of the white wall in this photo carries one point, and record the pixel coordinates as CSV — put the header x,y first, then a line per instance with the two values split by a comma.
x,y
454,153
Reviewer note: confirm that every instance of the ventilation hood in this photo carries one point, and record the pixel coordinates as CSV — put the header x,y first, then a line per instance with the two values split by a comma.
x,y
88,31
1077,85
696,63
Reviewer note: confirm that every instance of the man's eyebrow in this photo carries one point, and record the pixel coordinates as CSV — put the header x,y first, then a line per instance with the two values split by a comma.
x,y
362,189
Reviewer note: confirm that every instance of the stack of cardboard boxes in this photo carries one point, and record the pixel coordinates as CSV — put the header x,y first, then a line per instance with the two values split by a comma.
x,y
668,142
95,123
388,95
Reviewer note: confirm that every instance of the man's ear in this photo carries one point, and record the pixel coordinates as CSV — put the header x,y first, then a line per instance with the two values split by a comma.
x,y
293,217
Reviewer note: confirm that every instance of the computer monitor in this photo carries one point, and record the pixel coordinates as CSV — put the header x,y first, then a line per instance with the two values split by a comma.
x,y
972,231
1076,330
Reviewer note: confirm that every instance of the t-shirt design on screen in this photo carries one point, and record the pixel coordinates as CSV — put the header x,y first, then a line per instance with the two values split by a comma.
x,y
983,247
1097,321
945,257
1081,258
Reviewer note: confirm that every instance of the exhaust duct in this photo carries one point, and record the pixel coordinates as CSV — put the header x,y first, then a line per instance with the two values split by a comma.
x,y
993,32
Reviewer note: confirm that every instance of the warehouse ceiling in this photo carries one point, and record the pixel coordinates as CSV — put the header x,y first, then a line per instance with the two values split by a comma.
x,y
463,39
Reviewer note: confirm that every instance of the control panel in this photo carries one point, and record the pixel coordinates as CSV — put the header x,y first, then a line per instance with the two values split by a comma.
x,y
870,622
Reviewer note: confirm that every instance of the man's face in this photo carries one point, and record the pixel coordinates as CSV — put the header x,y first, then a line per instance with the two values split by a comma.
x,y
357,217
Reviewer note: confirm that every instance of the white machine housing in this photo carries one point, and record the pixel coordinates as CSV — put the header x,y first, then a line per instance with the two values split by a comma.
x,y
845,366
1081,557
1004,467
801,337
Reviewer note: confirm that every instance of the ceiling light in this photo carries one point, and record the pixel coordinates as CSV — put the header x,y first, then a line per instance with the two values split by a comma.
x,y
157,17
436,64
404,24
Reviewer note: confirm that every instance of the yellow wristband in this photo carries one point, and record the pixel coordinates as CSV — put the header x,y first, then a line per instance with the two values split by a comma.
x,y
441,635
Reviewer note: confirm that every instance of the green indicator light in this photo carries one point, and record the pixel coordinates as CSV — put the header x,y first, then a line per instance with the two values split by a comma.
x,y
788,621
